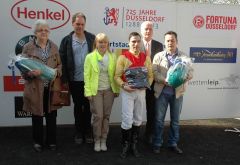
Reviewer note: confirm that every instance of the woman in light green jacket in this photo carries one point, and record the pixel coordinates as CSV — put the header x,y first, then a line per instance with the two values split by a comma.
x,y
100,88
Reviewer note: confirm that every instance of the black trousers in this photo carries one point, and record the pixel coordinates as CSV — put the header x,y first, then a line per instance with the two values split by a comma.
x,y
82,112
51,126
150,103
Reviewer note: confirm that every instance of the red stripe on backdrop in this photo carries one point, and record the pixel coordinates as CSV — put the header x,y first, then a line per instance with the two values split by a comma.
x,y
13,85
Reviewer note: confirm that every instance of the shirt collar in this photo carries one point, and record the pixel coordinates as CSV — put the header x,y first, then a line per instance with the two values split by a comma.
x,y
145,43
175,54
75,38
47,45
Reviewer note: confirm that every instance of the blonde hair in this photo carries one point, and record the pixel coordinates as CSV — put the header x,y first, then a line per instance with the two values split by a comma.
x,y
101,37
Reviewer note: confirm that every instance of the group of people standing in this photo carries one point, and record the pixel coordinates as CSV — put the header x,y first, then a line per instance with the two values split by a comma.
x,y
95,76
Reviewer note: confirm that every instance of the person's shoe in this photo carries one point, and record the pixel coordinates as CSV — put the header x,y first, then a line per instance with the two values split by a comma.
x,y
52,147
156,150
103,145
37,147
78,138
175,149
135,150
97,146
88,138
125,149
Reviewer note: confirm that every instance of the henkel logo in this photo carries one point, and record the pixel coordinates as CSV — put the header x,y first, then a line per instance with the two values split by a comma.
x,y
26,12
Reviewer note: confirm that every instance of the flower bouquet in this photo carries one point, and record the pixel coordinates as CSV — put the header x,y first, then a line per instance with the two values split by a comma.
x,y
27,64
177,73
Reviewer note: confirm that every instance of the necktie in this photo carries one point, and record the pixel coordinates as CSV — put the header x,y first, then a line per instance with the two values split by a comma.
x,y
148,49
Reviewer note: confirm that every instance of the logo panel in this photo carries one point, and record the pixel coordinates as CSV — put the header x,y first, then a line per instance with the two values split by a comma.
x,y
25,13
111,16
213,55
13,83
198,21
216,22
19,113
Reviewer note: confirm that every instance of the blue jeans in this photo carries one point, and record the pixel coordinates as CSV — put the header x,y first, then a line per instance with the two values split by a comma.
x,y
160,112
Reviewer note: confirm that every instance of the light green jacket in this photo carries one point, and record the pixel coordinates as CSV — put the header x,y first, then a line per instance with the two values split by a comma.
x,y
91,73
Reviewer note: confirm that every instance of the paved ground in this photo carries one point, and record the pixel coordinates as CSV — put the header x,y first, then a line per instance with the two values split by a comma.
x,y
203,141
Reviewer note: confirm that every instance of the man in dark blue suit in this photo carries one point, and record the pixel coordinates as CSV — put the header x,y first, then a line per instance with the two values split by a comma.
x,y
150,47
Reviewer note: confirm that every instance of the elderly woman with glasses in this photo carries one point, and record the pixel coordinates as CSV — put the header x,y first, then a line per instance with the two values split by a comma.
x,y
37,91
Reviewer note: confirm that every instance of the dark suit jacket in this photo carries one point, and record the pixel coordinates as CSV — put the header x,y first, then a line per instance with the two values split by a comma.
x,y
155,48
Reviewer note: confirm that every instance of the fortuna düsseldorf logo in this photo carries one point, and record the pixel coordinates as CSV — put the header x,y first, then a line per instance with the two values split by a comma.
x,y
198,21
26,12
216,22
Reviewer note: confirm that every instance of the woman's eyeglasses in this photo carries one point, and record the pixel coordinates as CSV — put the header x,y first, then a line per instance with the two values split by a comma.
x,y
43,30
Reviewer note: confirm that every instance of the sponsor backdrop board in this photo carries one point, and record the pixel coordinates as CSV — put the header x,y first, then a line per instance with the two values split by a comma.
x,y
208,33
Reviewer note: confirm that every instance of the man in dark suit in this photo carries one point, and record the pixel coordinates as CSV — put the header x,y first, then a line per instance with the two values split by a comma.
x,y
150,47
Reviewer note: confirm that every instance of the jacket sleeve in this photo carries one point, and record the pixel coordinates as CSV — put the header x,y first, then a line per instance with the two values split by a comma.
x,y
190,74
190,70
58,64
119,70
25,53
149,68
156,48
115,86
63,56
158,70
87,75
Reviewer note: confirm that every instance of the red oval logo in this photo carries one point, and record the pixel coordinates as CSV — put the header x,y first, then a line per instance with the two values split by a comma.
x,y
26,12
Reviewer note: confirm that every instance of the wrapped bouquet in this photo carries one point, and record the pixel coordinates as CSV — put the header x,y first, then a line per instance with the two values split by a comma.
x,y
27,64
177,73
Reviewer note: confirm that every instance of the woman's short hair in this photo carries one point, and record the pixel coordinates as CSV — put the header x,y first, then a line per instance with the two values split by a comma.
x,y
39,22
101,37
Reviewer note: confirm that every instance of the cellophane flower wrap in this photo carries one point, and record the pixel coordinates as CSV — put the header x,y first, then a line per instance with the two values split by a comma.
x,y
137,77
27,64
177,73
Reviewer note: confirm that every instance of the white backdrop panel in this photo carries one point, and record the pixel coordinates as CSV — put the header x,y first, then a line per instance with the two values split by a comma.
x,y
202,100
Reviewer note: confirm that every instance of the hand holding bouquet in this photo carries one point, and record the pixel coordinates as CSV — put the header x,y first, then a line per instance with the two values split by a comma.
x,y
177,73
34,68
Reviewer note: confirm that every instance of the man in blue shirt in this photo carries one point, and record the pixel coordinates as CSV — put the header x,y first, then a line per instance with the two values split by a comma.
x,y
73,50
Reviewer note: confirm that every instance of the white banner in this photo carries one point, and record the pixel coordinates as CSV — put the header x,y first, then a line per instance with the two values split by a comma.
x,y
209,33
